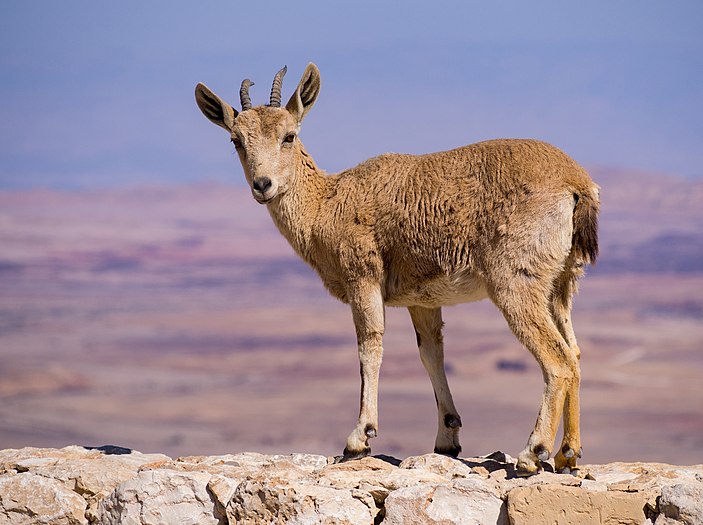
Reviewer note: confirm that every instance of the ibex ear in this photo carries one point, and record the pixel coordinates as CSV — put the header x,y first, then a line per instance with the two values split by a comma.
x,y
306,93
214,108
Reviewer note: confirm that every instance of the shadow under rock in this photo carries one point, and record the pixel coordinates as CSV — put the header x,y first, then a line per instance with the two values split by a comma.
x,y
499,461
492,462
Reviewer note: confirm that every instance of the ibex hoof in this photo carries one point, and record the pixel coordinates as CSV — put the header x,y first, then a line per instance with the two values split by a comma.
x,y
541,452
565,460
569,452
351,455
574,471
528,462
452,452
527,469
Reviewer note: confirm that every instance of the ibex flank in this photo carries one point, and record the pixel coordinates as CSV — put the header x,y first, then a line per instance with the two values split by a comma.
x,y
512,220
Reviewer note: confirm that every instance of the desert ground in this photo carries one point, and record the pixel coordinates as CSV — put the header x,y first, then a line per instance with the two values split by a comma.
x,y
176,319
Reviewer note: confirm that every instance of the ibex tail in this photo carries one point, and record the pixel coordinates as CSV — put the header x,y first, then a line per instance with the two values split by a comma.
x,y
585,237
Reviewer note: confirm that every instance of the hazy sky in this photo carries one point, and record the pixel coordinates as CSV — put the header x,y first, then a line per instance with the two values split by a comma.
x,y
96,94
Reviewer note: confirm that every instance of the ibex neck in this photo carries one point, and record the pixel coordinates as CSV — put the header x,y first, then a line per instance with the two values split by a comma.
x,y
296,211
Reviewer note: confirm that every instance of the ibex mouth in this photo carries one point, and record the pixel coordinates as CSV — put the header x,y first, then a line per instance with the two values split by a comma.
x,y
264,200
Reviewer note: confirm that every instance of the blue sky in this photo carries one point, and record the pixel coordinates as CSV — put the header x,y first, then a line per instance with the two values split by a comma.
x,y
96,94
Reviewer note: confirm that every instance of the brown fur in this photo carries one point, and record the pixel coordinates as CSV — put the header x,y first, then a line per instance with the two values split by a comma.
x,y
511,220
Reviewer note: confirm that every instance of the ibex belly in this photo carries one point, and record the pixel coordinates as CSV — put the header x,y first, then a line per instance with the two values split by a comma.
x,y
442,290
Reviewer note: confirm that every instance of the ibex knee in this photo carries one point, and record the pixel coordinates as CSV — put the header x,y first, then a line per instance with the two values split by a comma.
x,y
564,372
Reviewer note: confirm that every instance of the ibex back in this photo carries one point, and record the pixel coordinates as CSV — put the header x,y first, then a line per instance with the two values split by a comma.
x,y
510,220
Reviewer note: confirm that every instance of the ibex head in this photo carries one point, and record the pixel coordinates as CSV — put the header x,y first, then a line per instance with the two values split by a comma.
x,y
264,136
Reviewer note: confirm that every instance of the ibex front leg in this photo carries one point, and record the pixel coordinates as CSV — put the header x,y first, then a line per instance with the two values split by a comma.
x,y
367,308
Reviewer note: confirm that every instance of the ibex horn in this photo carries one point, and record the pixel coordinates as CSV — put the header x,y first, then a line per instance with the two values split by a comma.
x,y
244,94
276,88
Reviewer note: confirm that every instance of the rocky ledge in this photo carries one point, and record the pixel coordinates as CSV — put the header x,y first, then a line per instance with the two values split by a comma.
x,y
111,485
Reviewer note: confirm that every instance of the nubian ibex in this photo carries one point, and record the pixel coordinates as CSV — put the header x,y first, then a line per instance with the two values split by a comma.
x,y
512,220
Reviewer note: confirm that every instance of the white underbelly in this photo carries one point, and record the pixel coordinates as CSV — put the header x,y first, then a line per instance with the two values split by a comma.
x,y
446,290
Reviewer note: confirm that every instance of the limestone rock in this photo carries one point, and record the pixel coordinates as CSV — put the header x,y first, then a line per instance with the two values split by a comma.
x,y
623,476
471,501
442,465
222,489
78,486
555,504
250,462
681,504
256,501
374,472
28,499
247,464
156,497
89,473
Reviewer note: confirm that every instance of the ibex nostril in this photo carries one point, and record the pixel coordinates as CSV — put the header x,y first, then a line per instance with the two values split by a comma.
x,y
262,184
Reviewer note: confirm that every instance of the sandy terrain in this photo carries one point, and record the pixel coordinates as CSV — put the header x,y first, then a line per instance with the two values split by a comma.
x,y
175,319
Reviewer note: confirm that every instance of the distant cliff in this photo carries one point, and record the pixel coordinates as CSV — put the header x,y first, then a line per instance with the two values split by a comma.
x,y
111,485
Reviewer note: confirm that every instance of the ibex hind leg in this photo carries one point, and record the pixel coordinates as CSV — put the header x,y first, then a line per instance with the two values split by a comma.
x,y
428,328
524,302
560,305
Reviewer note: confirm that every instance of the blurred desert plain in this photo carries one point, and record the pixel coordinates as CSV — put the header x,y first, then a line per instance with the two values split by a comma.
x,y
147,301
175,318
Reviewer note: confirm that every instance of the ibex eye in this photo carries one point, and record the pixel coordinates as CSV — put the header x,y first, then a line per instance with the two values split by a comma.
x,y
289,138
237,143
